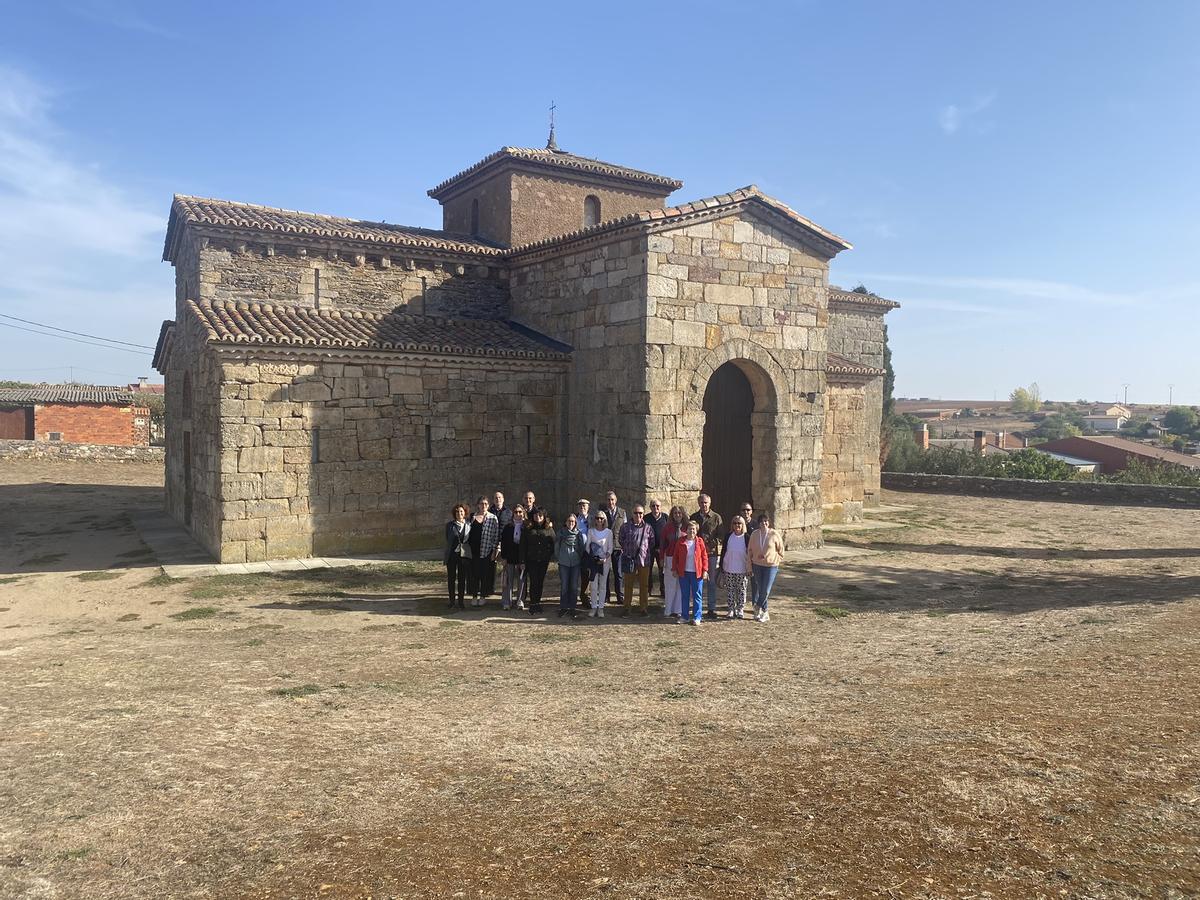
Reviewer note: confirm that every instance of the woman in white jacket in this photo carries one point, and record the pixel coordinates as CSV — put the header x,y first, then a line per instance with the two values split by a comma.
x,y
600,548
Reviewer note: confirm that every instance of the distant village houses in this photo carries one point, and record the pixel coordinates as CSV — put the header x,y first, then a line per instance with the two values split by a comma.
x,y
74,413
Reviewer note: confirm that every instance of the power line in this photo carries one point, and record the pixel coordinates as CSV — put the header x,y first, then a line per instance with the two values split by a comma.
x,y
79,333
63,337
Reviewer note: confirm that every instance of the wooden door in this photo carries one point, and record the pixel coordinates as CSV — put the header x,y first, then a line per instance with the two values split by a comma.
x,y
728,440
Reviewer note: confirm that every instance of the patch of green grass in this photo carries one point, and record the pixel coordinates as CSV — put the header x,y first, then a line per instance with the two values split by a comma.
x,y
500,652
44,560
98,576
937,613
162,579
11,580
581,662
300,690
679,692
554,637
216,586
1093,621
196,612
379,627
831,612
81,853
663,645
128,617
254,642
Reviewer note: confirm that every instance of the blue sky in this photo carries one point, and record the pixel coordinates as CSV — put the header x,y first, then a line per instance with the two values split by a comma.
x,y
1023,177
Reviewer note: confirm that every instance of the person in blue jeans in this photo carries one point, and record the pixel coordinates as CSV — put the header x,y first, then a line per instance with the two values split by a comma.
x,y
569,550
691,561
766,554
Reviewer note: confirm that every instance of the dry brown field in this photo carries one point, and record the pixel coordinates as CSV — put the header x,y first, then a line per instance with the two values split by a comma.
x,y
1001,703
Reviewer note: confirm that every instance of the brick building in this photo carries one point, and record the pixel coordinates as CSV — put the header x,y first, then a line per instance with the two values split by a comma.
x,y
74,413
334,385
1112,454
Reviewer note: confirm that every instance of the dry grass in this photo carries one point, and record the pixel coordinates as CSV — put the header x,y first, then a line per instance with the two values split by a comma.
x,y
1007,710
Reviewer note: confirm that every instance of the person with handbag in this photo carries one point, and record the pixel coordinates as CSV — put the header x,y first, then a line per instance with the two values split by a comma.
x,y
734,567
457,557
691,562
600,552
766,555
636,539
537,549
569,549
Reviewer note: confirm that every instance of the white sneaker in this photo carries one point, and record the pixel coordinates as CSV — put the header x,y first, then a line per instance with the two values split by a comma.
x,y
758,615
765,617
601,612
520,604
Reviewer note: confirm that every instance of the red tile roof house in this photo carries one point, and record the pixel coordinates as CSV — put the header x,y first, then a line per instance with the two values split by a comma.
x,y
1113,453
74,413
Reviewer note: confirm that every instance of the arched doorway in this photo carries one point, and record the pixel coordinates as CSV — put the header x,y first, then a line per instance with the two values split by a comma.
x,y
728,449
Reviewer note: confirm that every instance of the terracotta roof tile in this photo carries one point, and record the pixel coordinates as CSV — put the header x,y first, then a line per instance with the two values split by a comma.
x,y
230,322
268,220
563,160
839,365
67,393
748,194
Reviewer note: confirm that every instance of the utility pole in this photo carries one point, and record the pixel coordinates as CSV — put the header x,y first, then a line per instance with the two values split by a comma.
x,y
1170,394
1126,386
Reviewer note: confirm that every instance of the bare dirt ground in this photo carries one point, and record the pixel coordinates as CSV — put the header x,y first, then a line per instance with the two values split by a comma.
x,y
1002,704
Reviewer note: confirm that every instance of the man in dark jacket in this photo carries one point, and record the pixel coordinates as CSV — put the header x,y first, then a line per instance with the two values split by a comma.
x,y
616,518
657,519
710,532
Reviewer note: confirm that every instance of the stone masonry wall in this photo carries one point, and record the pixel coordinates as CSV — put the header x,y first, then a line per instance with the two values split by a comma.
x,y
337,457
859,336
518,207
1057,491
595,300
739,290
195,425
55,450
220,271
846,450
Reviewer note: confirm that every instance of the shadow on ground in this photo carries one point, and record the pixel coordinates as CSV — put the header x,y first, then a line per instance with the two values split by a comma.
x,y
54,527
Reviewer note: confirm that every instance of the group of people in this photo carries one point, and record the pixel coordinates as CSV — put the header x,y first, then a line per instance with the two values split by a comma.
x,y
607,553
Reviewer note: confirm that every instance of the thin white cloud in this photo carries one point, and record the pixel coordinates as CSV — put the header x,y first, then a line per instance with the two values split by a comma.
x,y
953,117
1032,289
120,14
73,245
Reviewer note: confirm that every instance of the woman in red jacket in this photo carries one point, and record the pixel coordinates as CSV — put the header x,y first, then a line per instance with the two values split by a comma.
x,y
691,564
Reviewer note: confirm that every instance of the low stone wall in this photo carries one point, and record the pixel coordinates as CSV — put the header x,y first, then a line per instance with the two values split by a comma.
x,y
1098,492
58,450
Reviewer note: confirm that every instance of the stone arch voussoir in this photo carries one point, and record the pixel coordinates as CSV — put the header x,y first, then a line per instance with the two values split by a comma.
x,y
767,377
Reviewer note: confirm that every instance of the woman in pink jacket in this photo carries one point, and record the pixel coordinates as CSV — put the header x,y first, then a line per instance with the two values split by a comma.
x,y
691,564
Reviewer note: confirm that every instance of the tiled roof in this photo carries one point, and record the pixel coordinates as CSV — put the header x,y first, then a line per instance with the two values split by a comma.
x,y
839,365
1078,445
836,295
562,160
748,194
267,220
238,322
67,393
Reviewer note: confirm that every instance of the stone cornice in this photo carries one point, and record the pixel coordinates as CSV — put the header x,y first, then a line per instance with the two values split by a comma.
x,y
315,355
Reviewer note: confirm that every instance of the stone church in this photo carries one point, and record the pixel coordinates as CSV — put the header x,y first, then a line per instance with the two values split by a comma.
x,y
335,385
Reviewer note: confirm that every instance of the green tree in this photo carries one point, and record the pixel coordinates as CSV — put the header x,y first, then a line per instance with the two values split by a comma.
x,y
1026,400
1029,463
1053,428
1180,420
